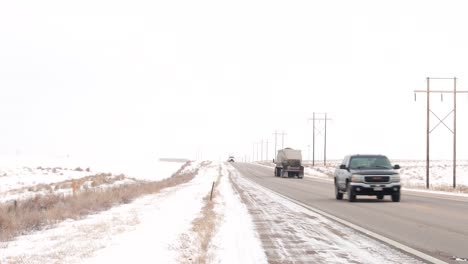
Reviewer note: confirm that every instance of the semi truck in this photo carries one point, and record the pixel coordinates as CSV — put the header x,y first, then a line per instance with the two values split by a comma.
x,y
289,163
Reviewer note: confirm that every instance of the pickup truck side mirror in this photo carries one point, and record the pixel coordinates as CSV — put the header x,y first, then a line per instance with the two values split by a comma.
x,y
343,167
396,167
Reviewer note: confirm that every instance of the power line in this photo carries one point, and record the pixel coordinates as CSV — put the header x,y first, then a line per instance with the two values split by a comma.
x,y
282,140
324,118
428,91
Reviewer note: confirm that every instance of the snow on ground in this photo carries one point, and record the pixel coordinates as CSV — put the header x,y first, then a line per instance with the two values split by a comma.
x,y
158,216
237,241
16,174
22,178
163,219
144,168
152,229
167,230
413,173
253,225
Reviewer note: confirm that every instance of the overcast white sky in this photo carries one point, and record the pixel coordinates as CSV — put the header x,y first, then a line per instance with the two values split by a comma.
x,y
176,78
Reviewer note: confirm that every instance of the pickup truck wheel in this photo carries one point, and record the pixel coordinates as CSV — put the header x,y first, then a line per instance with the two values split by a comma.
x,y
338,194
380,196
351,194
396,197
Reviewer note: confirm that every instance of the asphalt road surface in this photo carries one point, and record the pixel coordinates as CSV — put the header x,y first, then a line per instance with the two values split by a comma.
x,y
437,226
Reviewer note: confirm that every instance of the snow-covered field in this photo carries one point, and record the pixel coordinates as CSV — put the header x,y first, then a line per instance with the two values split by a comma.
x,y
23,178
413,173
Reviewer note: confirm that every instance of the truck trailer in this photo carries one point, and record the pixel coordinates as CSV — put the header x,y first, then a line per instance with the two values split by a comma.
x,y
289,163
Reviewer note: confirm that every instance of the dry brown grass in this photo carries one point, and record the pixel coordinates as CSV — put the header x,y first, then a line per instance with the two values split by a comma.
x,y
204,227
40,211
96,180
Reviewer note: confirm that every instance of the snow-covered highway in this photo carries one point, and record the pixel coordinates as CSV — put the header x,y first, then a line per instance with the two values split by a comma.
x,y
429,223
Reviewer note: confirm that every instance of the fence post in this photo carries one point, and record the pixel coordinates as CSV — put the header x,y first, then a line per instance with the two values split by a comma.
x,y
74,187
212,187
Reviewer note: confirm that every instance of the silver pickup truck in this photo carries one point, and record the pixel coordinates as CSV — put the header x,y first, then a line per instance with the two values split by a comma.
x,y
367,175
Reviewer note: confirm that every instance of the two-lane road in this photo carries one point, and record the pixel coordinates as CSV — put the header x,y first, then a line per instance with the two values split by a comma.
x,y
437,226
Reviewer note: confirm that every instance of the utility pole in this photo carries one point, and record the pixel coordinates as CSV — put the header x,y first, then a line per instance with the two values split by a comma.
x,y
441,121
325,143
257,150
313,140
254,146
199,154
314,118
276,134
282,140
253,152
261,150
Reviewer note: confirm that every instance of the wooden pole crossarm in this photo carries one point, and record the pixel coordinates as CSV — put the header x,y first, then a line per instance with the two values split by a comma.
x,y
320,119
439,91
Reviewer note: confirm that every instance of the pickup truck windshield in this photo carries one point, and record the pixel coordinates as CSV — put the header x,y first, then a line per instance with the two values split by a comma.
x,y
369,162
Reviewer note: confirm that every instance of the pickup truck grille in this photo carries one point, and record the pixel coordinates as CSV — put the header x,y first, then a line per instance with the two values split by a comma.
x,y
377,178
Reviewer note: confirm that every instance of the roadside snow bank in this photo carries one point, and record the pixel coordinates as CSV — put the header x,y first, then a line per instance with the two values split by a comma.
x,y
237,240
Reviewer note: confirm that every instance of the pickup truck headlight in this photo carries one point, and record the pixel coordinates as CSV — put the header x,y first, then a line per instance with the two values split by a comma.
x,y
357,178
396,178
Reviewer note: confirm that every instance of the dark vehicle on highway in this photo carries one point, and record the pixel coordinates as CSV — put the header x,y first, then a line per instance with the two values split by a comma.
x,y
231,159
367,175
